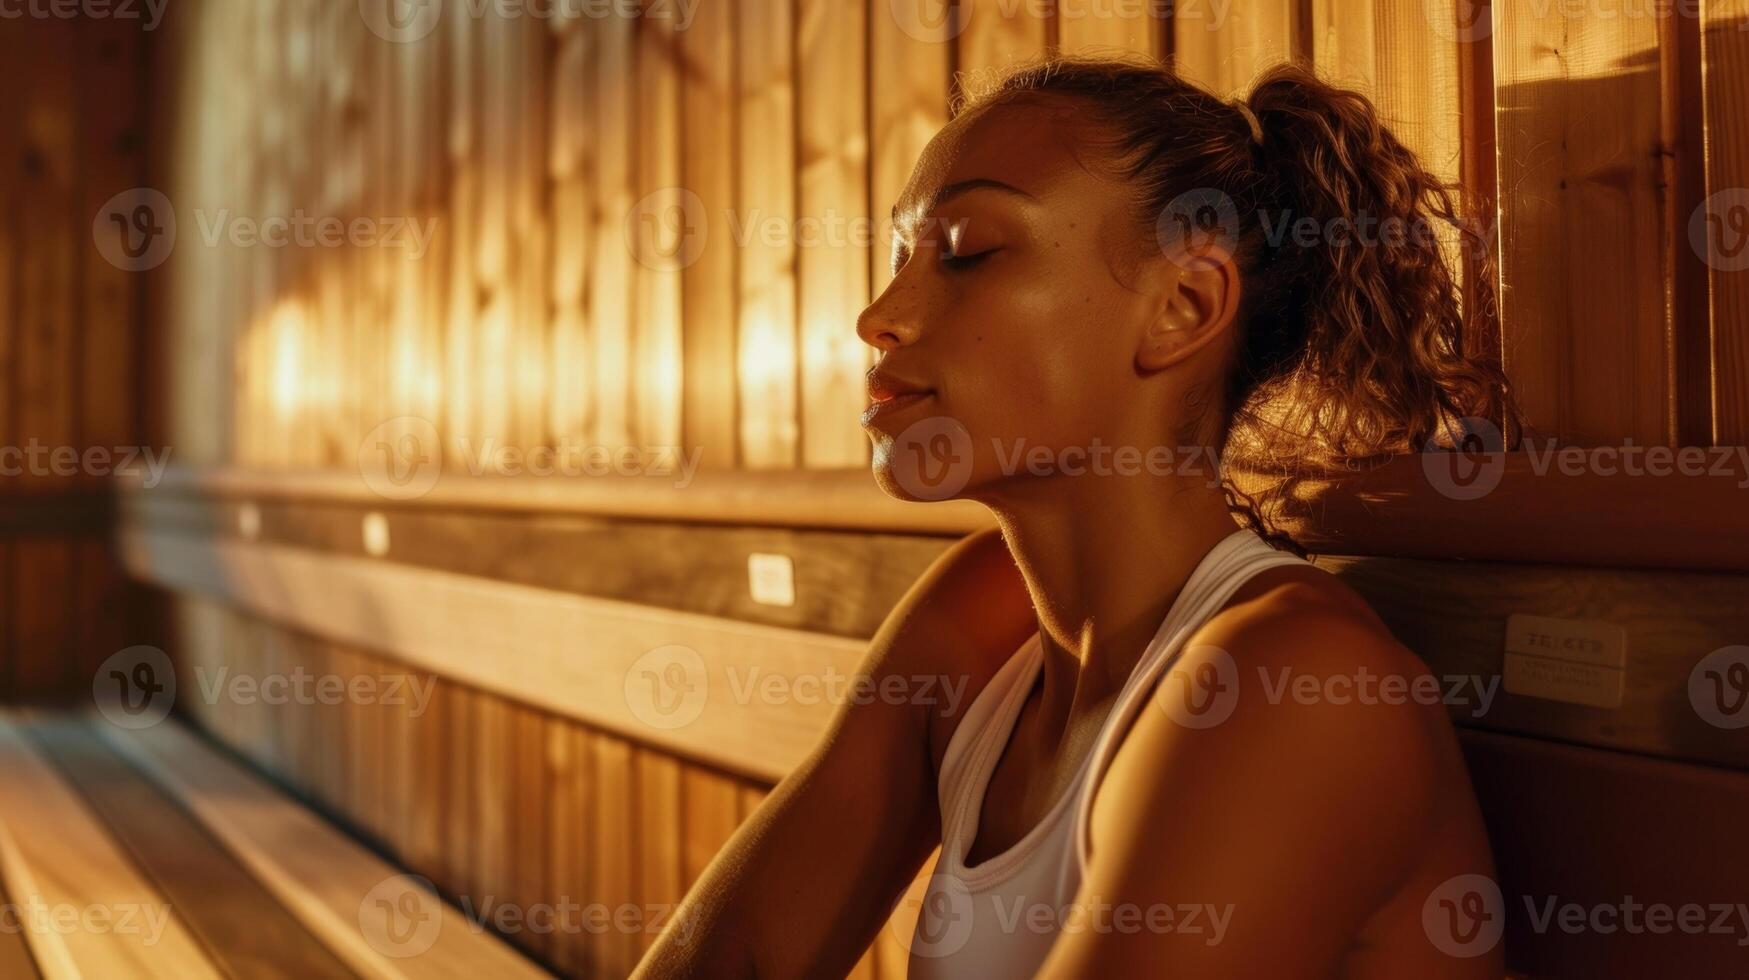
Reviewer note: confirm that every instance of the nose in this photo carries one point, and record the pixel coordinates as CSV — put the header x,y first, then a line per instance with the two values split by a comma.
x,y
886,323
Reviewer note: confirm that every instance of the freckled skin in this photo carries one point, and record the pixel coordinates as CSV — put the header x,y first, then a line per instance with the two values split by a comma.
x,y
1327,828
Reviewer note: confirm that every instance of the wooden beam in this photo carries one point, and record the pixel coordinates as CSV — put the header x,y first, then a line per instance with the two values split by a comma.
x,y
595,660
1676,512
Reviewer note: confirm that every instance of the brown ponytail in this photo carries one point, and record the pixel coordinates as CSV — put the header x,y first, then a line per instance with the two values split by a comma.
x,y
1353,349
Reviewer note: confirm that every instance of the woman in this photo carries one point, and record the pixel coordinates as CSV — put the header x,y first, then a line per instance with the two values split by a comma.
x,y
1163,763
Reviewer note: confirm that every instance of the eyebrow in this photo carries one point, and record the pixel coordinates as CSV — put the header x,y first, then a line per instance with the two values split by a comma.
x,y
951,191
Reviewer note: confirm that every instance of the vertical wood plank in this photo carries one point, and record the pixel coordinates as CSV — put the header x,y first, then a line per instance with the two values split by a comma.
x,y
462,415
461,825
709,304
11,161
571,170
657,346
44,391
571,834
1390,51
617,841
997,34
1224,48
765,214
110,153
661,868
833,266
611,290
1111,28
1723,220
430,767
1584,307
909,81
531,885
493,727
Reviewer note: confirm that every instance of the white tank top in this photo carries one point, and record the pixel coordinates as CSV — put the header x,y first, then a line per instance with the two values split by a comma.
x,y
999,918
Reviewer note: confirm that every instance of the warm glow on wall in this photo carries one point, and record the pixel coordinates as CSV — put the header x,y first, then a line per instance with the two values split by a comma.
x,y
286,325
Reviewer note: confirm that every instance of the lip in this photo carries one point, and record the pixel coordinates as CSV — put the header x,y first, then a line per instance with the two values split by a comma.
x,y
893,404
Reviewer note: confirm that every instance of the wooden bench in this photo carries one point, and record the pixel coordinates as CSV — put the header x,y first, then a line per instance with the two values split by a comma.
x,y
149,853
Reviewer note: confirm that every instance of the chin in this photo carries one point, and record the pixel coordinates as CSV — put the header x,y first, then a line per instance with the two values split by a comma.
x,y
921,470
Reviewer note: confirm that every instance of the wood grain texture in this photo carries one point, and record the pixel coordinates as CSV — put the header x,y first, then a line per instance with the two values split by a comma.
x,y
238,923
709,305
15,958
832,262
656,349
1223,47
908,87
55,853
1725,50
1584,315
579,656
764,228
1111,28
328,881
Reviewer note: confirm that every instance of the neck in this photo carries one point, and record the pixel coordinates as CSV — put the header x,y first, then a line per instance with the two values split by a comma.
x,y
1103,557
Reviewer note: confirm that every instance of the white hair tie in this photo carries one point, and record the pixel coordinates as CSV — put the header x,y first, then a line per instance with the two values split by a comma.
x,y
1250,120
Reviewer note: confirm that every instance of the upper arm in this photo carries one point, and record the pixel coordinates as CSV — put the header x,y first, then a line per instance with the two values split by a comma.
x,y
812,875
1283,826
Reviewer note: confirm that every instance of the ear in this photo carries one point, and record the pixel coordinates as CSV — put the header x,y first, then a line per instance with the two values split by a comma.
x,y
1199,300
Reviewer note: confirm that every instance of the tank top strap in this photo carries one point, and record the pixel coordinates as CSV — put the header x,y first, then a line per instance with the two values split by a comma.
x,y
1233,562
987,721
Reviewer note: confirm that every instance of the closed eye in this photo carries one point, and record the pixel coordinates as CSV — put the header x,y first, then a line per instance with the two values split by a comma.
x,y
957,262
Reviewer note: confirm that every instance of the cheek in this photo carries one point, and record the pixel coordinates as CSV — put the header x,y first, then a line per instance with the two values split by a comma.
x,y
1045,359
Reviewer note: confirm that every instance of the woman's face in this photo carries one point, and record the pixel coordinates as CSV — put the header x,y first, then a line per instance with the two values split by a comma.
x,y
1009,336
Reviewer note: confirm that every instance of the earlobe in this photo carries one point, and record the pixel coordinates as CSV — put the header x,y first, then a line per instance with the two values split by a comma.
x,y
1195,308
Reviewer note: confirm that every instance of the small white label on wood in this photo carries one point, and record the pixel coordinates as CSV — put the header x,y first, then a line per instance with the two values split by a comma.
x,y
771,579
376,534
1580,661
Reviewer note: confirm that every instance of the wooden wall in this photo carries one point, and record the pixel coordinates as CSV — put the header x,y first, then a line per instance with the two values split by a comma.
x,y
489,799
600,192
587,181
71,137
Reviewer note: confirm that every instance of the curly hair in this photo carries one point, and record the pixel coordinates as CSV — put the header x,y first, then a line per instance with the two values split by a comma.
x,y
1353,343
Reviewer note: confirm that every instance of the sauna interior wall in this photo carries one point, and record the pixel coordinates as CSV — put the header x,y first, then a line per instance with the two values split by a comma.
x,y
72,391
548,155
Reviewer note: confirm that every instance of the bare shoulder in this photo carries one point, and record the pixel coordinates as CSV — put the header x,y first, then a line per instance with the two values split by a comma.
x,y
1313,664
958,623
1294,699
1286,775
